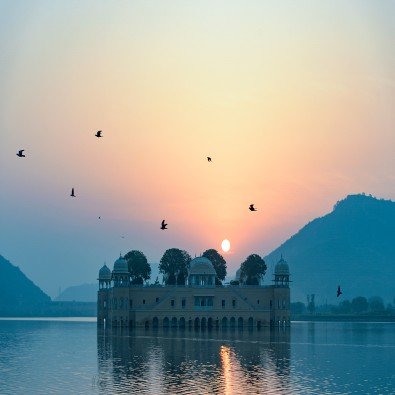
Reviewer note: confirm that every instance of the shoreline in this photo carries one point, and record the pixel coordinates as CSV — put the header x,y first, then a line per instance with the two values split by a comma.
x,y
343,318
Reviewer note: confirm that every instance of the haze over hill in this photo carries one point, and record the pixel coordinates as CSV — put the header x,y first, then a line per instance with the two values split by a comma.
x,y
18,294
353,246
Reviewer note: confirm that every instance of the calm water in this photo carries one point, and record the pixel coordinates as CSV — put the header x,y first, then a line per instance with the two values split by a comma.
x,y
71,356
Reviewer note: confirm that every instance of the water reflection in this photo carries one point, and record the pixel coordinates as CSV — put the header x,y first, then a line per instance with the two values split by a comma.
x,y
198,362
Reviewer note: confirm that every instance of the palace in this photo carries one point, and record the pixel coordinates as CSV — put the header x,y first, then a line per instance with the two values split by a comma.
x,y
200,303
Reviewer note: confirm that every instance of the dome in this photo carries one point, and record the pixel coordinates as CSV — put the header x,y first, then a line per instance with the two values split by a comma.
x,y
201,265
104,273
281,268
121,265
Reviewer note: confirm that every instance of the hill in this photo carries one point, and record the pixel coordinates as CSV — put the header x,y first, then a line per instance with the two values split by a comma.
x,y
353,246
80,293
18,294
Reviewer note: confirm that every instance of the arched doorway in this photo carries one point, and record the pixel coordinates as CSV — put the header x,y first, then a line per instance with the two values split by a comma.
x,y
250,322
224,322
174,322
155,322
232,322
210,323
203,322
240,322
182,322
197,322
166,322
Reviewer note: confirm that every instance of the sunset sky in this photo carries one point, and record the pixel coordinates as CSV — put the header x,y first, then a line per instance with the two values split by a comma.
x,y
294,101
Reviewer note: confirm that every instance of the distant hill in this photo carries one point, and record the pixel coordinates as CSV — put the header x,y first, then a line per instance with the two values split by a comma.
x,y
79,293
353,246
18,294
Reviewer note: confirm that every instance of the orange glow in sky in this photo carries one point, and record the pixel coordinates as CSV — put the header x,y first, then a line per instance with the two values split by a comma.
x,y
294,103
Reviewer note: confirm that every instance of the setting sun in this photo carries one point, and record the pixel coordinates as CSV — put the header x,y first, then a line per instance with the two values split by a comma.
x,y
225,245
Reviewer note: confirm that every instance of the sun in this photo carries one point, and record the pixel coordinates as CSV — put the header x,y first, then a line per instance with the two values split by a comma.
x,y
225,245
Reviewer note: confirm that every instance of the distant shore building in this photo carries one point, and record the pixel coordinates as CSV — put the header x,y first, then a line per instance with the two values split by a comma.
x,y
199,304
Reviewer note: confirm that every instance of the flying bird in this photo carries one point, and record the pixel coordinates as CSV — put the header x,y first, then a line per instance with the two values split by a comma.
x,y
98,133
72,192
99,217
208,159
20,154
252,208
339,291
163,225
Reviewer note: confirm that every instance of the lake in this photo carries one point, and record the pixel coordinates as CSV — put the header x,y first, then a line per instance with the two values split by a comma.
x,y
71,356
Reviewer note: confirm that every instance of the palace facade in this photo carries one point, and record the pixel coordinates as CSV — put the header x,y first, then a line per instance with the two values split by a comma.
x,y
200,303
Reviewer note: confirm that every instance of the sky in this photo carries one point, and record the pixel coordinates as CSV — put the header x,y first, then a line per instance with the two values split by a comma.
x,y
294,102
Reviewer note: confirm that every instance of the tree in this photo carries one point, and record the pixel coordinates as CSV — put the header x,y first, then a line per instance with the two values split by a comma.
x,y
298,308
218,262
311,303
359,304
252,270
174,265
376,304
139,268
344,307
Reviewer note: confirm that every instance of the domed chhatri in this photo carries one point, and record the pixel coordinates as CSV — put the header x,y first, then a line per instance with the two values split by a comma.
x,y
104,277
201,272
281,273
282,267
121,265
120,273
104,273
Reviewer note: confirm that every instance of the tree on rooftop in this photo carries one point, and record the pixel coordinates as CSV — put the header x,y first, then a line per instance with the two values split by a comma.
x,y
139,268
359,304
218,262
252,270
174,265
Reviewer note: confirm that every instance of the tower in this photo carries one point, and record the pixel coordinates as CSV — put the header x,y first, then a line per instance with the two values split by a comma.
x,y
281,273
120,273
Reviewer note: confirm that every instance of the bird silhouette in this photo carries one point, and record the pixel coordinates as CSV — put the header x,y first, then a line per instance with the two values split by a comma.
x,y
72,192
339,291
20,154
208,159
163,225
252,208
99,217
98,133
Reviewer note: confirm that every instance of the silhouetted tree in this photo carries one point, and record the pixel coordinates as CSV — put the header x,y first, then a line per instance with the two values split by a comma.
x,y
344,307
311,303
139,268
218,262
252,270
359,304
298,308
376,304
174,265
